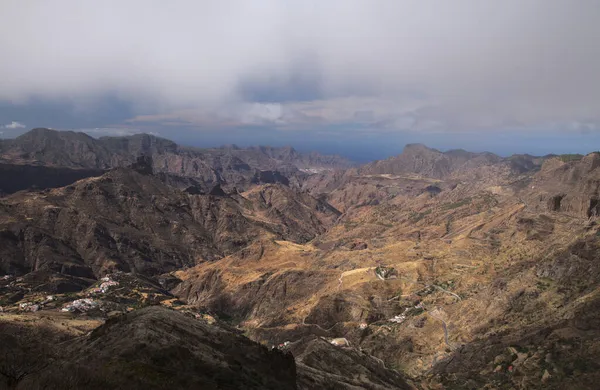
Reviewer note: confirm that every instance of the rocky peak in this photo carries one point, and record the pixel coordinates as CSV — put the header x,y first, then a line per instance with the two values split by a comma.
x,y
418,148
551,164
591,161
39,138
40,132
429,162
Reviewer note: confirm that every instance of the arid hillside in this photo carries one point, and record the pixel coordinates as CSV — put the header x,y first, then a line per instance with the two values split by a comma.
x,y
430,270
456,281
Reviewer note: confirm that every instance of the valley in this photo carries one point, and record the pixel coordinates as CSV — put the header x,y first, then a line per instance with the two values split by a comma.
x,y
440,270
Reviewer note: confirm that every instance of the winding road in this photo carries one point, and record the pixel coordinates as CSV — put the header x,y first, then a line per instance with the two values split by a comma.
x,y
444,326
447,292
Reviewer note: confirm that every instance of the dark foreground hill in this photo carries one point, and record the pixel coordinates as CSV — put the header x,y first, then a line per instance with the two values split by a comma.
x,y
158,348
153,348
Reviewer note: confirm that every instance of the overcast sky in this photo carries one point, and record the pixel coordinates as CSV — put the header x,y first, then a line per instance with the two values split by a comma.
x,y
327,74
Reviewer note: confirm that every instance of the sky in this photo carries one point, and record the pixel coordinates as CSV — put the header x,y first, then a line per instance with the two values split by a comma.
x,y
356,77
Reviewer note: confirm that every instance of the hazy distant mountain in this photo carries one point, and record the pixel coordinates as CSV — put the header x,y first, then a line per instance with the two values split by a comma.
x,y
73,149
419,159
229,166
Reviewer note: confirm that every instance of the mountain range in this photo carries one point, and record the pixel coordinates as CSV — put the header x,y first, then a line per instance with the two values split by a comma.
x,y
163,266
226,166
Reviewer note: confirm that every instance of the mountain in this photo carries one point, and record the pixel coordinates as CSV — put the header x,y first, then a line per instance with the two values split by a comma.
x,y
129,220
428,270
567,186
157,348
419,159
228,166
492,279
416,170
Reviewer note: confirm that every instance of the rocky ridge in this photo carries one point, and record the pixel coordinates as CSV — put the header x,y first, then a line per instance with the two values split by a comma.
x,y
229,166
451,269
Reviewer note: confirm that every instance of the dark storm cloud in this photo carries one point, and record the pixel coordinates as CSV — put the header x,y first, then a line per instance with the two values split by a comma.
x,y
476,64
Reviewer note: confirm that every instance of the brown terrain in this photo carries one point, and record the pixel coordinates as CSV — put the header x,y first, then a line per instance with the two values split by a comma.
x,y
266,268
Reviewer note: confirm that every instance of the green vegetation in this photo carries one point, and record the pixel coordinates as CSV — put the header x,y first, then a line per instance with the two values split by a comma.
x,y
455,205
544,284
447,285
489,201
570,157
414,311
521,349
495,243
398,292
148,372
581,365
348,225
387,225
448,225
426,291
415,217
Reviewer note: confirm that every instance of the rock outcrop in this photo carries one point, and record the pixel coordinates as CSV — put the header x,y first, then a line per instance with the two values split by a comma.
x,y
571,187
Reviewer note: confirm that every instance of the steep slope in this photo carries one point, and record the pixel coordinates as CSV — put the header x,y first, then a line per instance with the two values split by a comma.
x,y
571,187
58,148
324,366
298,213
157,348
129,220
185,353
463,287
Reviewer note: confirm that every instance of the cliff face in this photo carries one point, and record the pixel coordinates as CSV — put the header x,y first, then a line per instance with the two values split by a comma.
x,y
228,166
571,187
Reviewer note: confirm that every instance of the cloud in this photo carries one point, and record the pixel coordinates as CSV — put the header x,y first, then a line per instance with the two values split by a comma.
x,y
289,115
13,125
113,131
454,65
